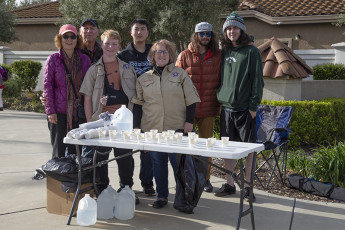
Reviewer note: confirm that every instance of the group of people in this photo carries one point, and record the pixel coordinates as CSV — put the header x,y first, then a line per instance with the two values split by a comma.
x,y
162,92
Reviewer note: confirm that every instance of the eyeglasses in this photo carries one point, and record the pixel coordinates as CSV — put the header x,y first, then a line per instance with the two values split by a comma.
x,y
208,34
161,52
65,36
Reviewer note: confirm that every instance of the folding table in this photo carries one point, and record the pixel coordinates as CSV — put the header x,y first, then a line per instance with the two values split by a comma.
x,y
234,150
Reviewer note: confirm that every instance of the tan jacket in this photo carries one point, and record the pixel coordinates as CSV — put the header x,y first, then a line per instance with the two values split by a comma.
x,y
93,84
164,98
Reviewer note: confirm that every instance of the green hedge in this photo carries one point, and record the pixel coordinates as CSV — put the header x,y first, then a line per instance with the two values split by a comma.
x,y
27,73
329,71
313,123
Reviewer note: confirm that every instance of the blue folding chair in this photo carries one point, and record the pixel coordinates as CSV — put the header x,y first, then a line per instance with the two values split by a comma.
x,y
272,130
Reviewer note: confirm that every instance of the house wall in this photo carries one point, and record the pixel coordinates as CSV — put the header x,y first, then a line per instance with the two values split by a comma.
x,y
34,38
312,36
319,89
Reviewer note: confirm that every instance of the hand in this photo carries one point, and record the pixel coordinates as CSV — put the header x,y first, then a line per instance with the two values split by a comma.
x,y
188,127
252,113
104,100
52,118
43,100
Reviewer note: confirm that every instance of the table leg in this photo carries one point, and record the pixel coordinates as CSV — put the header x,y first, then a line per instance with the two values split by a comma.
x,y
79,185
241,184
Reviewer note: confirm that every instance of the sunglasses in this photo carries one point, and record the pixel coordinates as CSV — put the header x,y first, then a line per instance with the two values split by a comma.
x,y
208,34
65,36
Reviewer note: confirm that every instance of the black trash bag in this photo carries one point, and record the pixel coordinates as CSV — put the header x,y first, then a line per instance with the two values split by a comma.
x,y
190,181
66,169
310,185
338,194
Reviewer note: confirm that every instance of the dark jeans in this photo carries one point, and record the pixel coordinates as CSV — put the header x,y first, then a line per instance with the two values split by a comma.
x,y
124,164
160,171
146,170
57,133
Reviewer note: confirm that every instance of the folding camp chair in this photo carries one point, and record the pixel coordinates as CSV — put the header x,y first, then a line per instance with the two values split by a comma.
x,y
272,130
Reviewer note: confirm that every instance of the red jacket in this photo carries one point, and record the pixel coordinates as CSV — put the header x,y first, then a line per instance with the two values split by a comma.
x,y
206,78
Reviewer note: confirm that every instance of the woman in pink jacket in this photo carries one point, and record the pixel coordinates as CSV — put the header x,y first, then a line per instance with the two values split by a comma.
x,y
61,69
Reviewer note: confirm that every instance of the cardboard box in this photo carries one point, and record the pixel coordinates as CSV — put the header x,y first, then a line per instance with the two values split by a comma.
x,y
60,202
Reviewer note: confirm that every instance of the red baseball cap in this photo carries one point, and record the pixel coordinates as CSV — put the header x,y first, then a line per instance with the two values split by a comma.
x,y
68,28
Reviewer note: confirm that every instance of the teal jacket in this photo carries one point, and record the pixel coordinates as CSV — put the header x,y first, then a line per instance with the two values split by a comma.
x,y
241,78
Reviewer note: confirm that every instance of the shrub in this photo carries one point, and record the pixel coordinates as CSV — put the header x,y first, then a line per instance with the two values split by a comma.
x,y
12,88
329,71
28,101
315,123
299,162
330,164
27,73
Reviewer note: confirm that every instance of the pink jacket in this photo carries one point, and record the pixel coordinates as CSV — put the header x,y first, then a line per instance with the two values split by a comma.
x,y
54,82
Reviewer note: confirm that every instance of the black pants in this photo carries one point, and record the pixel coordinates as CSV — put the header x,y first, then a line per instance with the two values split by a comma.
x,y
124,164
57,133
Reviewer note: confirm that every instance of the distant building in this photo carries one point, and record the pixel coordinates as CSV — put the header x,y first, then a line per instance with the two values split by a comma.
x,y
299,24
36,27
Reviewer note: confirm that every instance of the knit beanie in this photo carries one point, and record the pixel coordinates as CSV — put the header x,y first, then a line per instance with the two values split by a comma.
x,y
234,20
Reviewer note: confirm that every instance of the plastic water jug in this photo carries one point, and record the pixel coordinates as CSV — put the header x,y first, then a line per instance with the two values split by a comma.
x,y
123,119
125,204
106,204
87,211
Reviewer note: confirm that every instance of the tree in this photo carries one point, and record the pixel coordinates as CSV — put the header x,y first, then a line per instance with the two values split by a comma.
x,y
7,29
340,22
172,20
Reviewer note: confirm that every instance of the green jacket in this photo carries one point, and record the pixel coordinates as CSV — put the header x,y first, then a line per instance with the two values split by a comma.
x,y
241,78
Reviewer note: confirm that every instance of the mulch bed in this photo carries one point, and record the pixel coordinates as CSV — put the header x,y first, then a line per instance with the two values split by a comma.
x,y
275,187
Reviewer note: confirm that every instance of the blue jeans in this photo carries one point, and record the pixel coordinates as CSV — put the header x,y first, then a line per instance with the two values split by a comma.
x,y
160,171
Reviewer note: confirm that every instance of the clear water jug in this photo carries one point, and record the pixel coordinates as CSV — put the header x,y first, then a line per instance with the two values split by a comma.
x,y
87,211
125,204
123,119
106,204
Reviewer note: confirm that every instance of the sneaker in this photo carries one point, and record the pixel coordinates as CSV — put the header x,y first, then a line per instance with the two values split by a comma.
x,y
149,191
226,189
247,194
160,203
208,186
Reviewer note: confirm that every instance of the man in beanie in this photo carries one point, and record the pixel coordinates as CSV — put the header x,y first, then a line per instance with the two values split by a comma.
x,y
240,93
202,62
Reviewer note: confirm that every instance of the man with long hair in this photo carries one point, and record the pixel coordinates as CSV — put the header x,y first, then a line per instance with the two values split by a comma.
x,y
202,62
240,93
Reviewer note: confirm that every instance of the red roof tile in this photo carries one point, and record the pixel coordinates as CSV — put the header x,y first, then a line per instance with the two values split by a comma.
x,y
280,61
283,8
45,10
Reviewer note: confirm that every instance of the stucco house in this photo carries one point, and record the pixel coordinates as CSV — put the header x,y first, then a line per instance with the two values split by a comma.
x,y
36,27
300,24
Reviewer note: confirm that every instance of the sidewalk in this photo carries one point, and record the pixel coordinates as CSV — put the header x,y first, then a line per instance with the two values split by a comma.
x,y
25,145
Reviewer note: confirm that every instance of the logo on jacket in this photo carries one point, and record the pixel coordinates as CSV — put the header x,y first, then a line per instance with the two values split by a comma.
x,y
175,74
230,59
127,66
